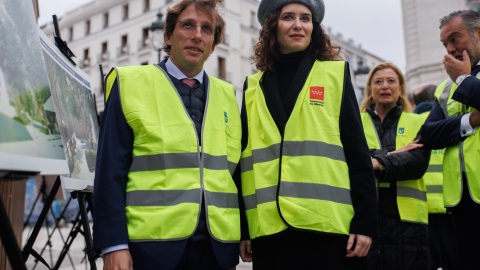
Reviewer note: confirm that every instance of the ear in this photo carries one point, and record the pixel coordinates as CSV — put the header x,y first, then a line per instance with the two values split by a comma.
x,y
167,39
477,32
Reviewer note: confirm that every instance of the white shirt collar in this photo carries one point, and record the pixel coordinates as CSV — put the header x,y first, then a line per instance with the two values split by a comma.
x,y
178,74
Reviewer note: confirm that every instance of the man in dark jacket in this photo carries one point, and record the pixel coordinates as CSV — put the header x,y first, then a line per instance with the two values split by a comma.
x,y
157,183
440,223
453,123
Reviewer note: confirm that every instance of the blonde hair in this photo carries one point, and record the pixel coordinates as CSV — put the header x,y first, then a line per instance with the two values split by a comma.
x,y
367,95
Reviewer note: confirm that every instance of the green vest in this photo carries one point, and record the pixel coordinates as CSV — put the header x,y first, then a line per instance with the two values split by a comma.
x,y
301,179
170,171
411,194
460,158
433,179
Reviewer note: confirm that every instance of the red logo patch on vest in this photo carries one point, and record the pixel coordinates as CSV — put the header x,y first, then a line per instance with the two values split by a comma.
x,y
317,92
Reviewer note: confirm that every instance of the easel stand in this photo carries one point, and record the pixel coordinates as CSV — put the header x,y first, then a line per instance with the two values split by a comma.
x,y
80,225
43,194
80,222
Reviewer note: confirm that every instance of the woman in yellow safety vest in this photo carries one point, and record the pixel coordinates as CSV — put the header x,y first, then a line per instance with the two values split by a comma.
x,y
399,162
307,180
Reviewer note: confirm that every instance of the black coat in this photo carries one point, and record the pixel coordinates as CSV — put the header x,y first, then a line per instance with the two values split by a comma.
x,y
281,91
401,245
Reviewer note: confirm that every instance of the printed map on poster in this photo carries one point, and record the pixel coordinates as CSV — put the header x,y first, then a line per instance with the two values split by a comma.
x,y
76,115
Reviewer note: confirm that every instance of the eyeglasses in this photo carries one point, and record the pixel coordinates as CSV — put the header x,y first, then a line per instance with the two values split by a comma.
x,y
190,26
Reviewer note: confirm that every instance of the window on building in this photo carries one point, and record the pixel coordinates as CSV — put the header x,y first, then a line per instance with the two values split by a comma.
x,y
169,1
104,51
226,39
222,74
87,27
144,63
70,34
253,42
476,9
146,5
145,32
124,47
105,20
125,12
253,18
86,57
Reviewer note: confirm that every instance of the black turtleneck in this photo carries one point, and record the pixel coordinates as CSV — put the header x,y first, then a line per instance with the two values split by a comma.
x,y
281,88
286,68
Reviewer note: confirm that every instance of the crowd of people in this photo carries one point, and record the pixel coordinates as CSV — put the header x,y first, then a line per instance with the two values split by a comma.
x,y
301,177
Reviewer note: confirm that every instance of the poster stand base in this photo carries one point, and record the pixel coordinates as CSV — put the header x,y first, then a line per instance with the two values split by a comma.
x,y
81,225
42,195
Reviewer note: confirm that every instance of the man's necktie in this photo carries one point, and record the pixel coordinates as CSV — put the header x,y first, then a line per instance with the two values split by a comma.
x,y
189,82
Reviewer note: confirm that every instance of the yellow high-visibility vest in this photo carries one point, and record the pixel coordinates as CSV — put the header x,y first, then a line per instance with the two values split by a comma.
x,y
171,170
411,194
433,179
460,158
301,179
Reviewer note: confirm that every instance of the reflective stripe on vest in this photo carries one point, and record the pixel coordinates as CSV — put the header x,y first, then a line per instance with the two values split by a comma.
x,y
460,158
411,194
433,178
170,172
310,190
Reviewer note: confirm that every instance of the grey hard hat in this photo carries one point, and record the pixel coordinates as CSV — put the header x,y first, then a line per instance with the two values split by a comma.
x,y
266,7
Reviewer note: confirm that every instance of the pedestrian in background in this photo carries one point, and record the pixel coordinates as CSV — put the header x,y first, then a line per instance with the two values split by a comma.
x,y
307,179
453,124
399,162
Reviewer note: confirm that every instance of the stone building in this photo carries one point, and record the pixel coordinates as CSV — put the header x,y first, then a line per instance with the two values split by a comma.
x,y
117,33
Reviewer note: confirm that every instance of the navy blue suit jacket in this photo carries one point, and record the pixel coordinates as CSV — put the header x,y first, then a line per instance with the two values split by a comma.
x,y
114,157
439,132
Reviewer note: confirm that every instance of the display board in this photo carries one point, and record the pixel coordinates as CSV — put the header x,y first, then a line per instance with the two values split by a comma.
x,y
30,136
76,115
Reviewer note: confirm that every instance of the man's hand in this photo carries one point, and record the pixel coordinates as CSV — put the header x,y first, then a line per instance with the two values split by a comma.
x,y
475,119
408,147
361,247
455,67
246,250
118,260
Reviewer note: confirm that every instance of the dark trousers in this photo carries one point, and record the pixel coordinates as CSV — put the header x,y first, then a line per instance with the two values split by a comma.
x,y
298,250
443,246
466,217
175,255
198,256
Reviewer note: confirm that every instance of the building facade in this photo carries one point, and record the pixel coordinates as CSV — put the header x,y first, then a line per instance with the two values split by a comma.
x,y
423,49
114,33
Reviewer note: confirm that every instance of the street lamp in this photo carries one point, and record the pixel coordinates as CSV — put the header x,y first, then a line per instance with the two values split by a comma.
x,y
157,34
360,75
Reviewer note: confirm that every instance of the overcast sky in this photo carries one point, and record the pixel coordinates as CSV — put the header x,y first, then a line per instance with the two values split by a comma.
x,y
375,24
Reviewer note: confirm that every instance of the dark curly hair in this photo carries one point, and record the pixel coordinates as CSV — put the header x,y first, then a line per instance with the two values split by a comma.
x,y
266,51
208,7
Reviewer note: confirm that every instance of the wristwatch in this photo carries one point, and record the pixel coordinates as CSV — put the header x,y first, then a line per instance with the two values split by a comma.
x,y
461,78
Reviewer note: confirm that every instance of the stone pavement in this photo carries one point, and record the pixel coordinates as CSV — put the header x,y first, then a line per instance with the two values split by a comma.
x,y
76,259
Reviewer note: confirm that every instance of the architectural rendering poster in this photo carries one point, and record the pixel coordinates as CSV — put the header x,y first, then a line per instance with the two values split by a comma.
x,y
76,115
29,136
